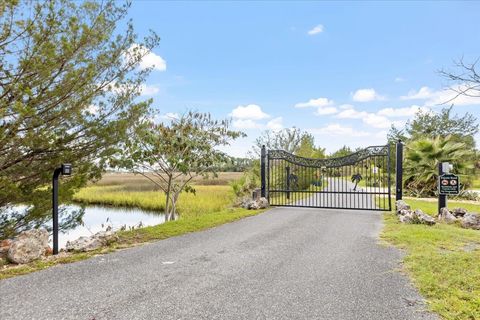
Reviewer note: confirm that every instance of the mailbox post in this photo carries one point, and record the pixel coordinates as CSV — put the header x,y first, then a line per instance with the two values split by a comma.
x,y
66,170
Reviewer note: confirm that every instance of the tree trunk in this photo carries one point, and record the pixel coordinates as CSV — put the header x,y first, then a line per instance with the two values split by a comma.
x,y
174,206
167,200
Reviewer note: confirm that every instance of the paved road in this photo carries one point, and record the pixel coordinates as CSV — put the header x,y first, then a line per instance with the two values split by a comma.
x,y
286,263
342,193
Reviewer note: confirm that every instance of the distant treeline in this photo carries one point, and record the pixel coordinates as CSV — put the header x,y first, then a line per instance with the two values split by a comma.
x,y
235,165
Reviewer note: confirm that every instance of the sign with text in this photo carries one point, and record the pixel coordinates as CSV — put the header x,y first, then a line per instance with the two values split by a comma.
x,y
448,184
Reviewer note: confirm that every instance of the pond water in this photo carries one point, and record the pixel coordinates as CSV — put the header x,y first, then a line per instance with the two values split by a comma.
x,y
98,218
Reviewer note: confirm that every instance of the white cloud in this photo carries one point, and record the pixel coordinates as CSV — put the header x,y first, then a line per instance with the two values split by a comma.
x,y
92,109
326,111
275,124
376,121
249,112
123,88
399,79
365,95
382,134
401,112
372,119
246,124
448,95
351,113
423,93
148,90
319,102
336,129
170,116
346,106
149,60
324,106
317,29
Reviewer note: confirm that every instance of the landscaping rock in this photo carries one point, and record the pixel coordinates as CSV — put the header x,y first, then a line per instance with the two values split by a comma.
x,y
94,242
446,216
459,212
4,246
253,205
471,221
423,218
401,205
404,212
28,246
407,217
83,244
262,203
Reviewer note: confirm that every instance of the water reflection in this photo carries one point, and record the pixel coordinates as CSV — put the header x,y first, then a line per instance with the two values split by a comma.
x,y
98,218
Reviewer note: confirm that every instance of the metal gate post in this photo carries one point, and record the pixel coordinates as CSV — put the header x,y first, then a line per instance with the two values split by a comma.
x,y
399,171
262,171
288,182
389,182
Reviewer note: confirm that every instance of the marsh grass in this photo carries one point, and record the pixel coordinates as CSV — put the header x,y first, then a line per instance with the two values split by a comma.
x,y
136,182
442,260
207,199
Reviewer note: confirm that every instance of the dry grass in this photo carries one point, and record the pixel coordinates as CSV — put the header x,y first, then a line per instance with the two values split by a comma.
x,y
136,182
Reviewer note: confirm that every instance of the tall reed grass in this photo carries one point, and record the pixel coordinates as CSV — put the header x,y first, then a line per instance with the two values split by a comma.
x,y
207,198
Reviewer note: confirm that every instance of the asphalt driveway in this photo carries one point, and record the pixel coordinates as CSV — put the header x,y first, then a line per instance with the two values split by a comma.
x,y
287,263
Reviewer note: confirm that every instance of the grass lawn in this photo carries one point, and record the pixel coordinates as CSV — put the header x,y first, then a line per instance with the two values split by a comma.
x,y
442,260
431,207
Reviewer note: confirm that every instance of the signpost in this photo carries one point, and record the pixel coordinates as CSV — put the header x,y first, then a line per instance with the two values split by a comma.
x,y
447,184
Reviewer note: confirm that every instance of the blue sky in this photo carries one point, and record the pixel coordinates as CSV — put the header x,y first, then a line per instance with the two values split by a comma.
x,y
342,71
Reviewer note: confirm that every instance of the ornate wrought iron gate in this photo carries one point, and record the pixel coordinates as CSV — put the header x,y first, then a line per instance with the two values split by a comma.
x,y
359,181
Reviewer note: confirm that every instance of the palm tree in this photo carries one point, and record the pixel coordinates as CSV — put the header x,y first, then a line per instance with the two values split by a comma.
x,y
356,178
423,156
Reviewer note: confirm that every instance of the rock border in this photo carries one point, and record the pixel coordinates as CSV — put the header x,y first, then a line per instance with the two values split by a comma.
x,y
467,220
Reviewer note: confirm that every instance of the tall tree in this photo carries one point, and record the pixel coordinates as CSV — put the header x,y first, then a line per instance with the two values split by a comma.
x,y
342,152
288,139
307,148
443,123
68,87
171,154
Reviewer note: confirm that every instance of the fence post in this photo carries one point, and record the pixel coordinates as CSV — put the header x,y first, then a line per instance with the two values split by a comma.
x,y
399,171
263,154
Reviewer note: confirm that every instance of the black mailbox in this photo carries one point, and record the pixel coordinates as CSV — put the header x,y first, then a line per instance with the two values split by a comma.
x,y
66,169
